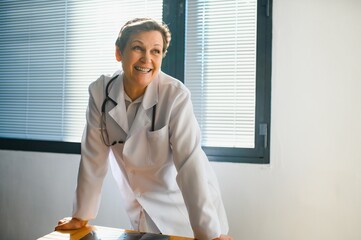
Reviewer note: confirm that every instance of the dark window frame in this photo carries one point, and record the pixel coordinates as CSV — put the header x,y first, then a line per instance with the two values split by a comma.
x,y
174,15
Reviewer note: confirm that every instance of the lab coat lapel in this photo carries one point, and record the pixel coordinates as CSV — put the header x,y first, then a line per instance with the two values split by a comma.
x,y
119,113
143,118
141,121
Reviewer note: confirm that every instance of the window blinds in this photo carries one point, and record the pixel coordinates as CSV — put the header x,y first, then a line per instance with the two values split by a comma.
x,y
220,69
50,51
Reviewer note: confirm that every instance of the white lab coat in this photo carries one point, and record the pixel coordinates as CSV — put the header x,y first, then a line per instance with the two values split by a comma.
x,y
165,171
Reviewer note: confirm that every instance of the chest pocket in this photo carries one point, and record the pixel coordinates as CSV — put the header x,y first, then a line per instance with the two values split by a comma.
x,y
158,146
147,148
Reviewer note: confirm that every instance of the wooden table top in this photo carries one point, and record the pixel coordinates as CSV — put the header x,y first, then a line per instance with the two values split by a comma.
x,y
97,233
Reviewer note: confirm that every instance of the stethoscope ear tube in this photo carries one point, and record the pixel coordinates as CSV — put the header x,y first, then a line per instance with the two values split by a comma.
x,y
153,117
107,98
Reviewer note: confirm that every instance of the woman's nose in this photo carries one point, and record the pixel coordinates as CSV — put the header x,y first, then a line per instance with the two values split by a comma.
x,y
146,57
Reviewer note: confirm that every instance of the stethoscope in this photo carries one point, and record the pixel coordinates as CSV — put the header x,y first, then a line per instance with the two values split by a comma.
x,y
103,117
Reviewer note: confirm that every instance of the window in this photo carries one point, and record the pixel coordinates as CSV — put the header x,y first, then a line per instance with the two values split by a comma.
x,y
51,50
223,70
220,70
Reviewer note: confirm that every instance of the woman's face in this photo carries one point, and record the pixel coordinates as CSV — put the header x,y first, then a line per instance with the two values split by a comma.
x,y
141,59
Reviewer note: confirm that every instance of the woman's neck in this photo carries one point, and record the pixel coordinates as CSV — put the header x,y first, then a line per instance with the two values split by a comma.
x,y
134,92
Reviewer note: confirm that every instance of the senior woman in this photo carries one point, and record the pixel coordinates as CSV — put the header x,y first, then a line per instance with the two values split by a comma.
x,y
140,121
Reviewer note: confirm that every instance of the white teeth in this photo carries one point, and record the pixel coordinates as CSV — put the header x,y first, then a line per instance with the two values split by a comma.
x,y
142,69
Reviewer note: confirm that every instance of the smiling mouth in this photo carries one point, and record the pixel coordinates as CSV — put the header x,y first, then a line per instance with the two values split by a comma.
x,y
144,70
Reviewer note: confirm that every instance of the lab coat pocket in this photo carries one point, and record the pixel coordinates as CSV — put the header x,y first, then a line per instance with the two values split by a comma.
x,y
158,146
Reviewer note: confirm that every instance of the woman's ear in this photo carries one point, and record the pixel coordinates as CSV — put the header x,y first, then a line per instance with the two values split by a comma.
x,y
118,54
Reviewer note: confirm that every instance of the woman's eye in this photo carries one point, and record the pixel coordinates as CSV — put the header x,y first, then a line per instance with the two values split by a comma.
x,y
137,48
156,51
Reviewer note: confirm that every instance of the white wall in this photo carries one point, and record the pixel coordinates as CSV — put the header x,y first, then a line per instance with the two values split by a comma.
x,y
37,190
312,188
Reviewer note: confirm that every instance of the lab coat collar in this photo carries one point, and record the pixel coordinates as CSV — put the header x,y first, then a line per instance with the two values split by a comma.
x,y
116,93
151,94
116,90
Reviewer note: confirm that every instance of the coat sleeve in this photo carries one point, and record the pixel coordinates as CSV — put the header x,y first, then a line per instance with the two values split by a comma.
x,y
94,158
194,179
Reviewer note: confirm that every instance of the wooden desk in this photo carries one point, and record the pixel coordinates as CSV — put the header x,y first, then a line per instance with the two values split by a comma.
x,y
102,233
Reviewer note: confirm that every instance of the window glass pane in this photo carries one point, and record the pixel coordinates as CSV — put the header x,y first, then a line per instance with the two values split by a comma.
x,y
50,51
27,105
220,70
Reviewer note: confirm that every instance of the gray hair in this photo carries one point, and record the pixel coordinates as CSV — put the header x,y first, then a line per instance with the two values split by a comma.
x,y
142,25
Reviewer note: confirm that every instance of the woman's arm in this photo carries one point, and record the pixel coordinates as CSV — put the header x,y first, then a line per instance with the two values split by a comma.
x,y
94,157
193,171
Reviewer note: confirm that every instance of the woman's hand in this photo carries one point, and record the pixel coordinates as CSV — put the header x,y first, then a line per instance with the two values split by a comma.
x,y
223,237
70,224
